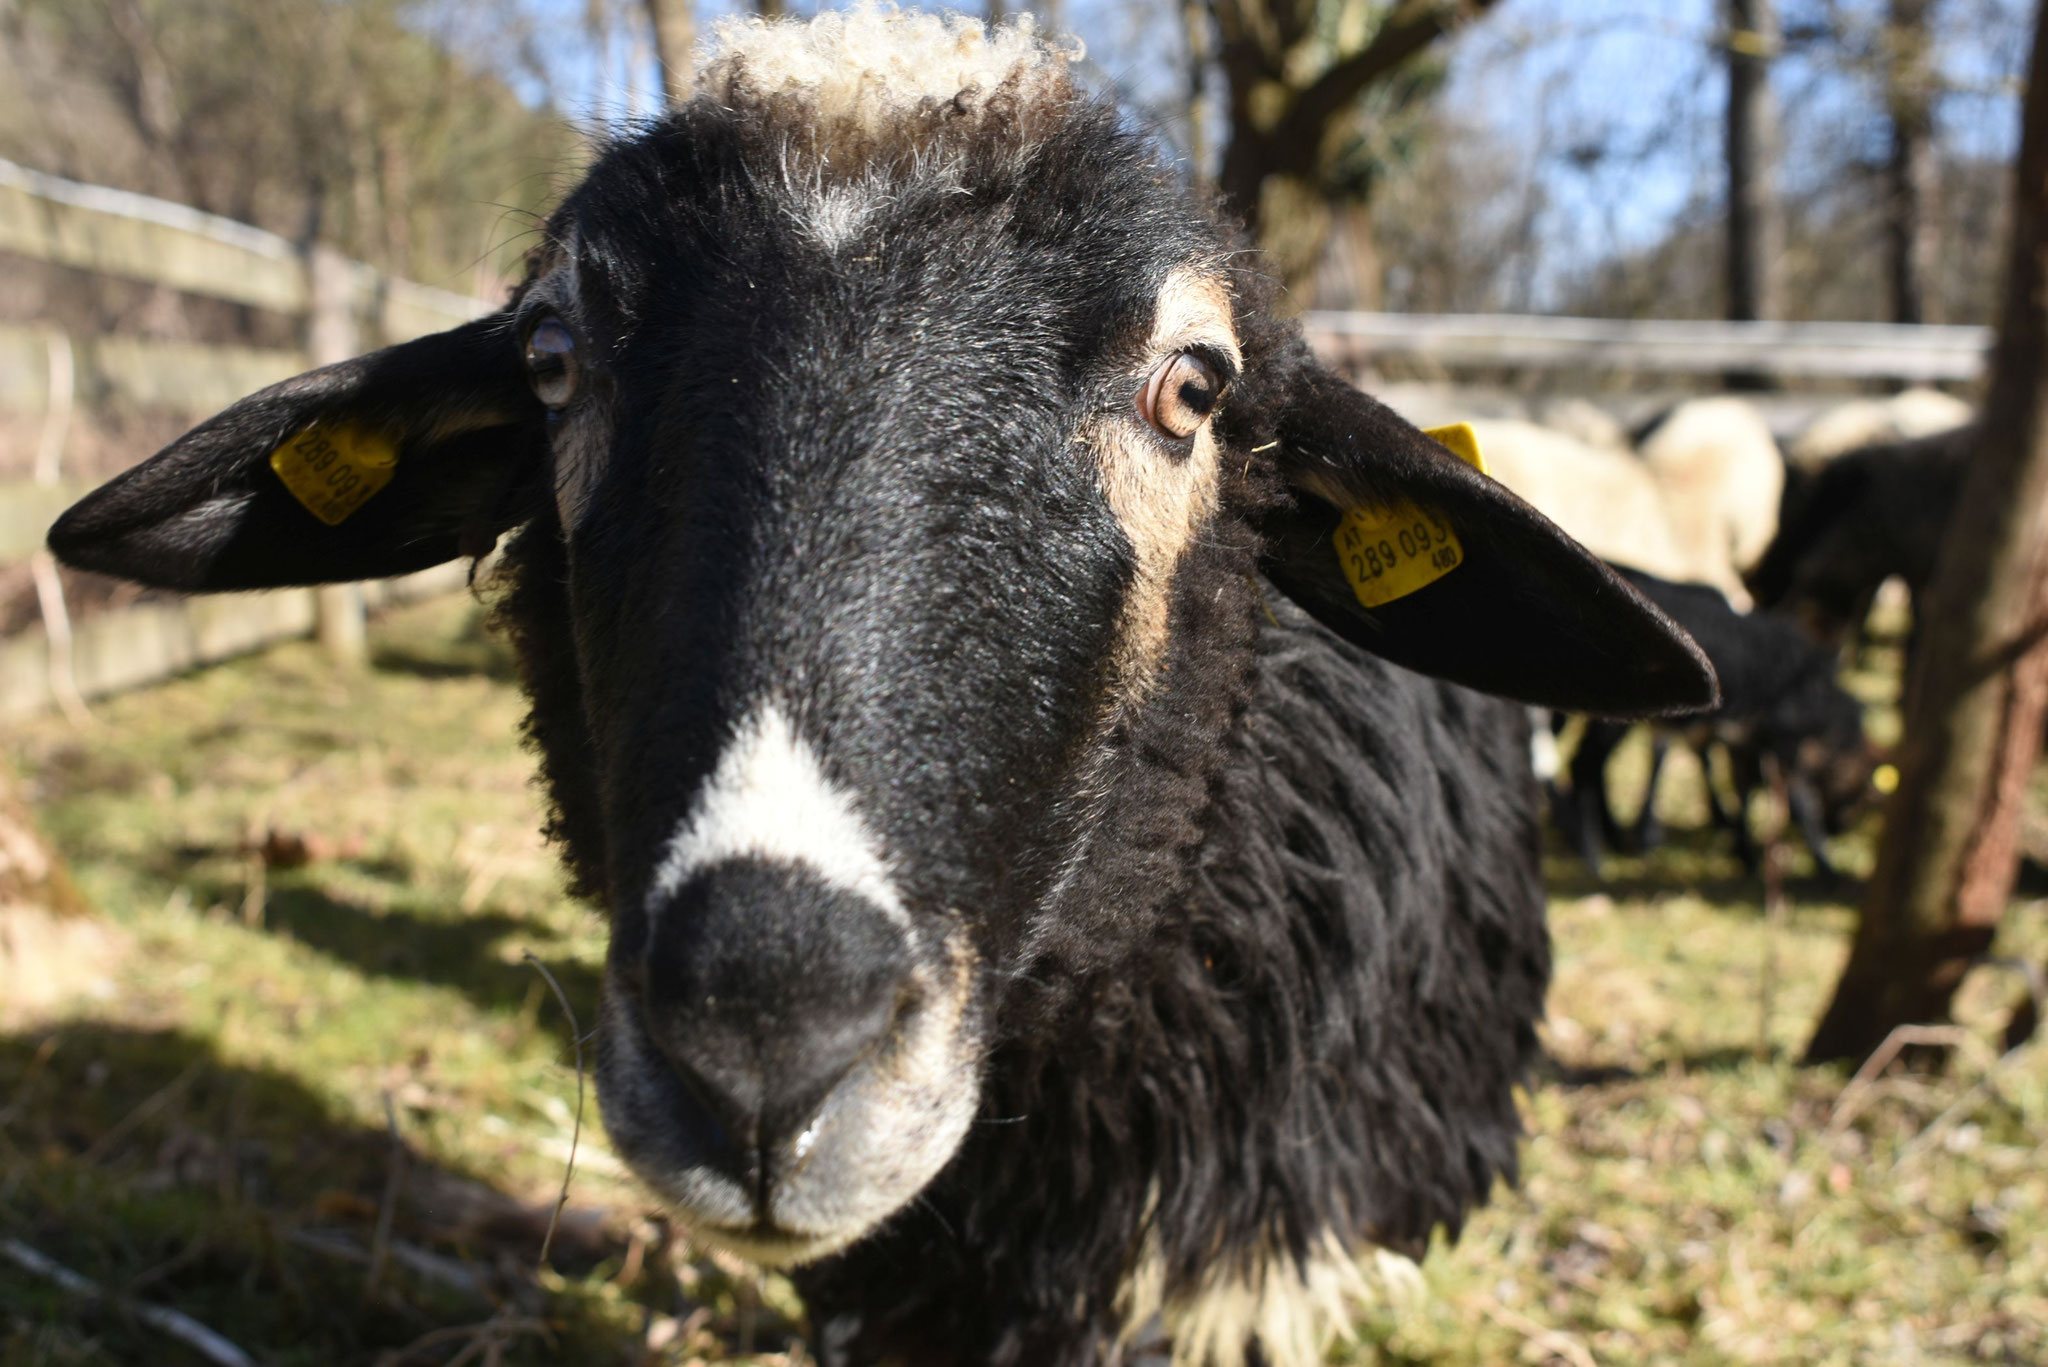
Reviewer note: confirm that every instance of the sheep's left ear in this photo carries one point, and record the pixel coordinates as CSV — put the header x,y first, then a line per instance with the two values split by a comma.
x,y
1404,549
392,462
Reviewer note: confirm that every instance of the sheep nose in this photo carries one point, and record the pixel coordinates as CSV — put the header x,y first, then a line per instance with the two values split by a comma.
x,y
765,986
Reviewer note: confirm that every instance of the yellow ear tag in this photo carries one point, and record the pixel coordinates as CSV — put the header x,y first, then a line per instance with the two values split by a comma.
x,y
1461,441
335,468
1389,552
1885,778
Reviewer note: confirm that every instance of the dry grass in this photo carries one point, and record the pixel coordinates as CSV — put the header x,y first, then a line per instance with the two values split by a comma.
x,y
330,885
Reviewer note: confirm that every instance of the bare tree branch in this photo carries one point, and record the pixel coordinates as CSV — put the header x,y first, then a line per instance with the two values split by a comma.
x,y
1412,27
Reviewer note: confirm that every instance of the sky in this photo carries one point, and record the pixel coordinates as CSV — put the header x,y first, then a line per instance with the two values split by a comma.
x,y
1618,104
1612,108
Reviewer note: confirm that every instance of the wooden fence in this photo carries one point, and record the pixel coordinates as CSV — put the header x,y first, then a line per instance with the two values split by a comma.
x,y
135,237
149,642
341,306
1452,342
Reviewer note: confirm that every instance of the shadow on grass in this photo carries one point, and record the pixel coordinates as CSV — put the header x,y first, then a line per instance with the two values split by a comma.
x,y
1697,861
462,951
143,1161
471,652
1550,1072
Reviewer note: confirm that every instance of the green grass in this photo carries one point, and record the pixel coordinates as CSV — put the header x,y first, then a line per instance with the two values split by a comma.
x,y
211,1131
177,1138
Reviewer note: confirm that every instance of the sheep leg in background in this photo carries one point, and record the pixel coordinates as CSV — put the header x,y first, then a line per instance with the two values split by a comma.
x,y
1649,832
1546,761
1718,815
1745,771
1805,806
1593,827
1863,642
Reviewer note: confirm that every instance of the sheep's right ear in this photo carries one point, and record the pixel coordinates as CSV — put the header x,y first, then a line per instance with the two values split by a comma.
x,y
382,465
1406,550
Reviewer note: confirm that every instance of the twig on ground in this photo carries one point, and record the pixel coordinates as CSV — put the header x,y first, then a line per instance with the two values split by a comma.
x,y
1555,1342
1774,902
63,676
1982,1089
255,894
29,1076
156,1101
387,1209
482,1337
1939,1126
1856,1094
447,1273
186,1330
191,1253
576,1134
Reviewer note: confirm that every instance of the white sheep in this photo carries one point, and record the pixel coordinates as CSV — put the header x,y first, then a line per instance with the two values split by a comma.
x,y
1607,499
1721,476
1918,412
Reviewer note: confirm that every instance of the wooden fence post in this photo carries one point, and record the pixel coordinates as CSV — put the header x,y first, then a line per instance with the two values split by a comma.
x,y
58,399
331,336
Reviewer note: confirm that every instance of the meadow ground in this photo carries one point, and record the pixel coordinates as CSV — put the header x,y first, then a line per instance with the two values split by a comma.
x,y
322,1102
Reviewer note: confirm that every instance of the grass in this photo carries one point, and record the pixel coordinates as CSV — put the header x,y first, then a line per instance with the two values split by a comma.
x,y
323,1105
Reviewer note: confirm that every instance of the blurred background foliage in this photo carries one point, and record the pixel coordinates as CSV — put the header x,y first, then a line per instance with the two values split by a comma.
x,y
347,121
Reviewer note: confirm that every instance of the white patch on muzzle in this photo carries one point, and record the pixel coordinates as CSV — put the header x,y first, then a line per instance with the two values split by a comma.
x,y
769,799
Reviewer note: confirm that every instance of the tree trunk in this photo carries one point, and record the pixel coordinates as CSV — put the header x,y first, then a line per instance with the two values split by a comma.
x,y
1195,26
341,619
1756,232
675,32
1911,246
1281,117
1974,704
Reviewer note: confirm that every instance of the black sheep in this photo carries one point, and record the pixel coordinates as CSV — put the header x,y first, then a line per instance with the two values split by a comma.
x,y
1865,516
1780,702
1044,901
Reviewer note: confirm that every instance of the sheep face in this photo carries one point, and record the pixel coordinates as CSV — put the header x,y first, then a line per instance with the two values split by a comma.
x,y
870,461
872,497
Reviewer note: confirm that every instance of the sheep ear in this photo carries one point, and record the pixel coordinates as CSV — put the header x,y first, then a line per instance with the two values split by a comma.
x,y
385,464
1403,549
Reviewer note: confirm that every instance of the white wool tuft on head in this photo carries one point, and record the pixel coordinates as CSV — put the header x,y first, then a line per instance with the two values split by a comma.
x,y
874,61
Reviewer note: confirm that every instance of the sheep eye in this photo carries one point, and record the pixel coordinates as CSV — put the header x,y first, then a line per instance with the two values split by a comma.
x,y
551,365
1180,395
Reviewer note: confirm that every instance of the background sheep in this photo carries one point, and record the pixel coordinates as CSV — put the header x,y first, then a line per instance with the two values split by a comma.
x,y
1780,703
1682,517
1904,416
1721,477
897,463
1604,498
1865,517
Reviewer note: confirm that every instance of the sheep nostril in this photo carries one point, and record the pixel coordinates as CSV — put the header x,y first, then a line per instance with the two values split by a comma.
x,y
764,987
